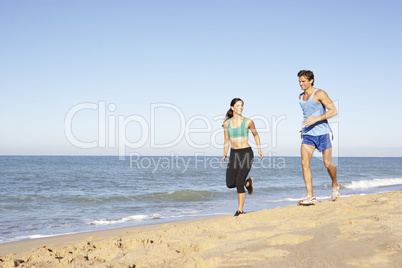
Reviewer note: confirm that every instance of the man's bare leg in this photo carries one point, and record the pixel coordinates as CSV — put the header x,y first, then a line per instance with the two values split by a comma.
x,y
327,158
306,155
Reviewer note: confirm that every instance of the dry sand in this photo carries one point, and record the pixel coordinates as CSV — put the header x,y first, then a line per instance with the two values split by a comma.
x,y
358,231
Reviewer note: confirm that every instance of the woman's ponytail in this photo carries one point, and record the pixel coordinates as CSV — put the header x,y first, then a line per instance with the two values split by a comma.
x,y
229,114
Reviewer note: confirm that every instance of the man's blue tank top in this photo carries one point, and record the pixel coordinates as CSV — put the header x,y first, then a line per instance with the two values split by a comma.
x,y
314,109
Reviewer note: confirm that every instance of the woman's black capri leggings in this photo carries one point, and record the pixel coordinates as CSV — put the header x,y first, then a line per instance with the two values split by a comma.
x,y
240,162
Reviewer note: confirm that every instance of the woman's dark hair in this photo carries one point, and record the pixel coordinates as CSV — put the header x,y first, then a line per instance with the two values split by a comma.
x,y
229,113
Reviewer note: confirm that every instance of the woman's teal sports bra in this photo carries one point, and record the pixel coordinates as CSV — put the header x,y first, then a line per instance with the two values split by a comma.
x,y
238,132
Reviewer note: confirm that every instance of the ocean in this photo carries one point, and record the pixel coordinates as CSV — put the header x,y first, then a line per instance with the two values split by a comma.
x,y
42,196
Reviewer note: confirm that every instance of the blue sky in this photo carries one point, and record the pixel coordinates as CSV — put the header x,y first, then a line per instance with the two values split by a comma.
x,y
149,73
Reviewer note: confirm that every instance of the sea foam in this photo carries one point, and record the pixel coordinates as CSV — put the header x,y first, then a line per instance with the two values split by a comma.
x,y
125,219
374,183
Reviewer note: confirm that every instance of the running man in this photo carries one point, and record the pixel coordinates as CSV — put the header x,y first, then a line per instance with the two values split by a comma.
x,y
316,133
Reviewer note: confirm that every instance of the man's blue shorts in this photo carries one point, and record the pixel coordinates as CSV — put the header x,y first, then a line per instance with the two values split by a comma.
x,y
322,142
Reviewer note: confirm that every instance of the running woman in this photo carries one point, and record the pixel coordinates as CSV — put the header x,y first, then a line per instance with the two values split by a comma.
x,y
316,133
236,128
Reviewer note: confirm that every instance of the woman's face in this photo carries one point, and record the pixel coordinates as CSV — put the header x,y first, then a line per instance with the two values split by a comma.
x,y
238,107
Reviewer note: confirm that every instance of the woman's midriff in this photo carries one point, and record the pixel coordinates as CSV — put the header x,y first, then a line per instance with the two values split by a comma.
x,y
239,143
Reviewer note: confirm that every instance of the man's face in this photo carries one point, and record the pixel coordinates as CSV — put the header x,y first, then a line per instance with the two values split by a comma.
x,y
305,83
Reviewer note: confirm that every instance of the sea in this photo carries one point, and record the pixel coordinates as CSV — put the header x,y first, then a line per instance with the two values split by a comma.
x,y
43,196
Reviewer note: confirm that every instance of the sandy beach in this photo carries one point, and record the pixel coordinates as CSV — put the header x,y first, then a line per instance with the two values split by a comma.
x,y
357,231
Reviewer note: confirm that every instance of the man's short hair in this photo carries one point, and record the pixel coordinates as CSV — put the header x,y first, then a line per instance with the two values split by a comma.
x,y
308,74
